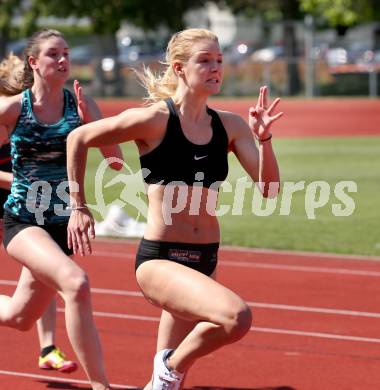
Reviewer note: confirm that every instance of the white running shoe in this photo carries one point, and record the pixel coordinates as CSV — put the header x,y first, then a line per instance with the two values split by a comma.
x,y
163,377
118,223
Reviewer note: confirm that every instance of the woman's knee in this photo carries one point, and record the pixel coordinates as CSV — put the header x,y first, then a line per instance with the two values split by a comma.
x,y
76,287
19,320
237,322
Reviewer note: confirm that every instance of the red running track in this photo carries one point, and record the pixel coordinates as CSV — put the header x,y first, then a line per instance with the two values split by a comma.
x,y
316,324
306,118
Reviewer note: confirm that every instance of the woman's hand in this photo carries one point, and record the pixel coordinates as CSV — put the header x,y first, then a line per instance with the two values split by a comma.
x,y
260,119
83,107
80,230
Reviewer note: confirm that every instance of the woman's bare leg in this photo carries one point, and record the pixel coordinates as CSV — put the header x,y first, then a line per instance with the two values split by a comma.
x,y
46,325
171,332
221,316
27,304
35,249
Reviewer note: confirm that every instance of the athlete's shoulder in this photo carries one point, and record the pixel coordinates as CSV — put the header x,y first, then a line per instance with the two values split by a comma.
x,y
158,109
153,116
232,122
10,103
10,110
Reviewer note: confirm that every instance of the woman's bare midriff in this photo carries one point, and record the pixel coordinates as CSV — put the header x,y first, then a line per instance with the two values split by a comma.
x,y
182,214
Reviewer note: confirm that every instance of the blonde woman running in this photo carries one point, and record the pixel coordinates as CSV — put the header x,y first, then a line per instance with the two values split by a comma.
x,y
183,146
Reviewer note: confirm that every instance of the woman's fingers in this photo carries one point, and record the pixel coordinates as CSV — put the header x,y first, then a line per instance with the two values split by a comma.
x,y
265,97
85,243
78,93
275,117
260,116
261,97
74,243
81,242
80,231
273,105
69,239
91,231
77,88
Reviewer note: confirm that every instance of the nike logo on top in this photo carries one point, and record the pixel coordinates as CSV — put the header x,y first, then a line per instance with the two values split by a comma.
x,y
200,157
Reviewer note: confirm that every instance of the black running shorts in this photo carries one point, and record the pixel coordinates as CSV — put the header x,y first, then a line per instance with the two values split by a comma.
x,y
12,226
200,257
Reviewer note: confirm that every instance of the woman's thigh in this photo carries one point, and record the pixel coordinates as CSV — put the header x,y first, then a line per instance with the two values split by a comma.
x,y
186,293
172,330
30,298
34,248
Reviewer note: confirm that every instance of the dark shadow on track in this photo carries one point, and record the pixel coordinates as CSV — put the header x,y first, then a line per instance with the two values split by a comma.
x,y
71,386
241,388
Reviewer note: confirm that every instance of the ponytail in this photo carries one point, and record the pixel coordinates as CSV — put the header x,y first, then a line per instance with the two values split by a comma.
x,y
11,76
158,86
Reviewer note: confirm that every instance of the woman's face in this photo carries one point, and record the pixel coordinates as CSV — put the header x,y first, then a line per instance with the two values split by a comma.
x,y
52,62
203,72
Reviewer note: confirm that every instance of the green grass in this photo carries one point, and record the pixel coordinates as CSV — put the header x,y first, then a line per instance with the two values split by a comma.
x,y
331,160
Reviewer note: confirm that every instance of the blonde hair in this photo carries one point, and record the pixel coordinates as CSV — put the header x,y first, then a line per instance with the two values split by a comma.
x,y
11,75
17,75
161,86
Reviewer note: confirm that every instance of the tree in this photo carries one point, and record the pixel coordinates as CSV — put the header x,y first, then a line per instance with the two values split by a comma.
x,y
106,17
340,14
8,9
343,14
285,11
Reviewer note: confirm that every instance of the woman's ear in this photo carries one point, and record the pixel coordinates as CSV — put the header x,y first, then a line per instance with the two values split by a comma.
x,y
178,69
32,62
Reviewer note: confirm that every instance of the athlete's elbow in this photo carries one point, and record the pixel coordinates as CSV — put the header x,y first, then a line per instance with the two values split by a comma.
x,y
76,139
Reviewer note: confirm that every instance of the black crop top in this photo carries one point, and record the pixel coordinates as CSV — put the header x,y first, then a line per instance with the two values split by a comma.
x,y
176,159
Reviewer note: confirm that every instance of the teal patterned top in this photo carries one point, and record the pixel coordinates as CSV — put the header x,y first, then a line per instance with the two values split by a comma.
x,y
39,192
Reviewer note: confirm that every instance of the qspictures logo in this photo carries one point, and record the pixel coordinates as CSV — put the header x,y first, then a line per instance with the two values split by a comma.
x,y
178,196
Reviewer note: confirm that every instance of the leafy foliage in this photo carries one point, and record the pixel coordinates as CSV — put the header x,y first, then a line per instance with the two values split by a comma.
x,y
107,15
335,12
342,13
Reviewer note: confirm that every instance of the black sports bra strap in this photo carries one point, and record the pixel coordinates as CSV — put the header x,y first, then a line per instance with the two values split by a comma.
x,y
215,120
169,102
210,111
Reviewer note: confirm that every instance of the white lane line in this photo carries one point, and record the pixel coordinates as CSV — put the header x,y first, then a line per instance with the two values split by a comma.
x,y
278,252
324,255
95,290
261,305
281,267
116,292
8,282
319,310
58,379
257,329
298,268
292,332
122,316
317,334
121,255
